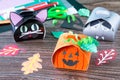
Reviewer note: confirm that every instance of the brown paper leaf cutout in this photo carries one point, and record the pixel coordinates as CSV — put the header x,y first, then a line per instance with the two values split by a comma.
x,y
33,64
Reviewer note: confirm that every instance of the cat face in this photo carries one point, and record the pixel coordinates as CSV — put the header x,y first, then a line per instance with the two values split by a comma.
x,y
28,26
99,29
32,29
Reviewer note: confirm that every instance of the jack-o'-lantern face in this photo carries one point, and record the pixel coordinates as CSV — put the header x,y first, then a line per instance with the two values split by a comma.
x,y
70,60
69,57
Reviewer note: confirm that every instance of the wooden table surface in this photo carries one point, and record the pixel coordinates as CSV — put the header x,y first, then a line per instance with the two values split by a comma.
x,y
10,67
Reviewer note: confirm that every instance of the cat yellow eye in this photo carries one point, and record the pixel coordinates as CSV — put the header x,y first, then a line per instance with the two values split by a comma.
x,y
23,29
35,27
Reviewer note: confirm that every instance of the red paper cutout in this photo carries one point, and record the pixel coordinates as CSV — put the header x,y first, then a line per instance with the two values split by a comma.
x,y
10,50
105,56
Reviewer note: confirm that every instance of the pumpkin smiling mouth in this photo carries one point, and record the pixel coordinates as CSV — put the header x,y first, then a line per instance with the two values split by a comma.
x,y
70,62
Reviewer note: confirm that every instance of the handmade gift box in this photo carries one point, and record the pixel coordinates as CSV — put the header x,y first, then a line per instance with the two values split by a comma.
x,y
28,25
73,51
102,24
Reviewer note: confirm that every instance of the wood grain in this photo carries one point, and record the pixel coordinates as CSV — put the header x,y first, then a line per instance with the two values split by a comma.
x,y
10,67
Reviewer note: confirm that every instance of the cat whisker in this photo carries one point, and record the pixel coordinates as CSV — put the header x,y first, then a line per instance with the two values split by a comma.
x,y
39,33
22,35
34,32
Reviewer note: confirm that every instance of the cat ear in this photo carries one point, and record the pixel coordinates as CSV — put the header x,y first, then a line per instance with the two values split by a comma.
x,y
15,18
42,15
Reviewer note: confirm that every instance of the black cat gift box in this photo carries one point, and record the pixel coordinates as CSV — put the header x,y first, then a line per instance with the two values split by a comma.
x,y
28,25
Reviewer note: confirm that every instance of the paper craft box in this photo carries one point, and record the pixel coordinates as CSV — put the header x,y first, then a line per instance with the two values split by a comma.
x,y
28,25
68,55
102,24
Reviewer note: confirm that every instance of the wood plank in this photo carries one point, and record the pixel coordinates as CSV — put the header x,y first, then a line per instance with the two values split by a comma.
x,y
10,66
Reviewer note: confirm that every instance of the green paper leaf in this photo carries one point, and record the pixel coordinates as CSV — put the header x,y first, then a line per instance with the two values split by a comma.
x,y
84,12
57,34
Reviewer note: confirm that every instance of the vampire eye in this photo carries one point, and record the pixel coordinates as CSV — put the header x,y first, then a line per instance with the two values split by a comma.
x,y
77,54
104,28
23,29
35,27
107,25
94,23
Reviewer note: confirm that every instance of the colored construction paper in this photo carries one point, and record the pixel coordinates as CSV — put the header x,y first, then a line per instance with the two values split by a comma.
x,y
12,3
78,6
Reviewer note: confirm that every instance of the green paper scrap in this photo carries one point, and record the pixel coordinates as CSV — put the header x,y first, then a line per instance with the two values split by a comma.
x,y
57,34
84,12
1,18
70,17
70,39
73,18
54,22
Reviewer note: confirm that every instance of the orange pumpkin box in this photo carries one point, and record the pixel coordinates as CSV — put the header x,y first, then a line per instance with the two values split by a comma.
x,y
69,55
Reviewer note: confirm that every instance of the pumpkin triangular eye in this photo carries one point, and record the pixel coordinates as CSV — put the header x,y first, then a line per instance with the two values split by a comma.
x,y
77,54
64,52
